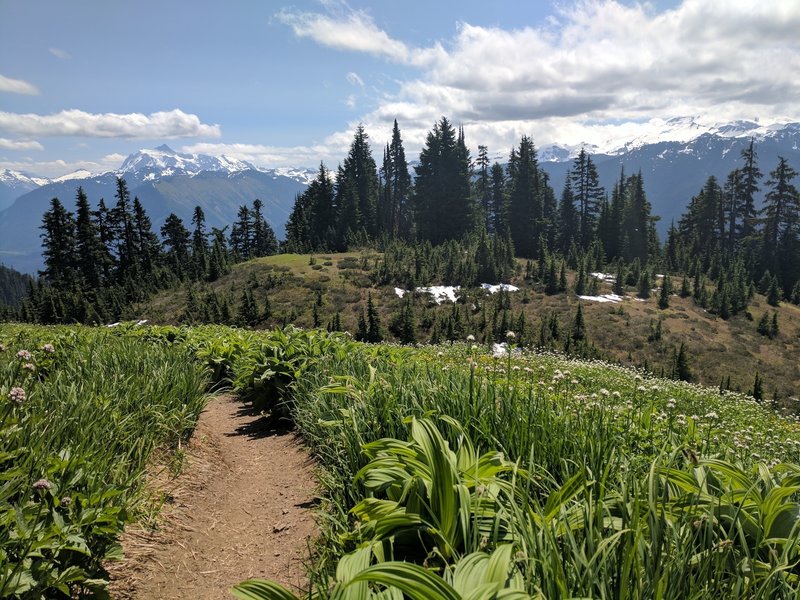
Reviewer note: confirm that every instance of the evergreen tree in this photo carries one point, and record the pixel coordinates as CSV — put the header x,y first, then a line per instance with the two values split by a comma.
x,y
499,204
663,297
568,229
176,242
362,333
588,194
781,234
264,241
92,255
681,369
483,188
774,292
644,285
638,228
374,330
248,310
146,242
773,326
749,176
200,248
360,188
242,235
525,199
395,208
578,327
758,388
122,225
443,203
59,246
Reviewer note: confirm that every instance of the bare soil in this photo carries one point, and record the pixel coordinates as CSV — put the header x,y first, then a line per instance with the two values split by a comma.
x,y
240,508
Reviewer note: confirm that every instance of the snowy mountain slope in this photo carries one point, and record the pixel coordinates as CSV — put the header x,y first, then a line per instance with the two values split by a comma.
x,y
14,183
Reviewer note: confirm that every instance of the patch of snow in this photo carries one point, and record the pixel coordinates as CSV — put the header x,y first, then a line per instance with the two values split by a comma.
x,y
141,322
400,292
613,298
499,349
113,324
79,174
441,293
493,289
609,277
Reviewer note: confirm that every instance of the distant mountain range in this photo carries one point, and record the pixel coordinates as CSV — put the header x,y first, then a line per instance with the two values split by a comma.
x,y
675,158
165,181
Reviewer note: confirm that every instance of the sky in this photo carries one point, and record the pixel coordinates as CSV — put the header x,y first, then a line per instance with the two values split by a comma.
x,y
85,83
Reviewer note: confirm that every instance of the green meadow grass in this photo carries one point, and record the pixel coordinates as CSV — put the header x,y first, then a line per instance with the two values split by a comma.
x,y
81,413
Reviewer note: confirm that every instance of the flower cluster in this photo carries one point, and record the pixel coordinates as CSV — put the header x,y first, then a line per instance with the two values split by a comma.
x,y
24,355
17,395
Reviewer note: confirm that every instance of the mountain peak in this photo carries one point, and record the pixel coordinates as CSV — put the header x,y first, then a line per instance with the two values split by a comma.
x,y
165,149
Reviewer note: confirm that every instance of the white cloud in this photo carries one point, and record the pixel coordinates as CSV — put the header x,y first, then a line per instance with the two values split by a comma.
x,y
7,144
354,30
350,101
59,53
157,125
17,86
596,72
354,79
57,168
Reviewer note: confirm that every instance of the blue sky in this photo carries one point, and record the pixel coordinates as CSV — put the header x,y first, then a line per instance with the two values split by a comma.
x,y
84,83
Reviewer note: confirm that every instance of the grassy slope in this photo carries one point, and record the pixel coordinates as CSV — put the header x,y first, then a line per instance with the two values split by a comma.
x,y
717,348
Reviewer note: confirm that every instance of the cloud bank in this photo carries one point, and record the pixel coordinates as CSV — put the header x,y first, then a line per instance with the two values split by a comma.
x,y
597,71
157,125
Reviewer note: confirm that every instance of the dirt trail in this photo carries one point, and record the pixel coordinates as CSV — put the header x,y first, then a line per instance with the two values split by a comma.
x,y
240,508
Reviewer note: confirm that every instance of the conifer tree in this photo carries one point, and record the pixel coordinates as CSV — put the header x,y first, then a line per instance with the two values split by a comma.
x,y
443,204
747,215
374,330
781,220
146,242
568,229
200,249
663,296
93,258
264,241
758,388
681,369
644,285
395,200
176,241
525,199
774,292
588,194
58,246
773,326
122,225
578,327
619,279
499,203
248,311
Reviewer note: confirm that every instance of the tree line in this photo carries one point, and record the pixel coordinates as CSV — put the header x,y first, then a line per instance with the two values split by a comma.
x,y
99,262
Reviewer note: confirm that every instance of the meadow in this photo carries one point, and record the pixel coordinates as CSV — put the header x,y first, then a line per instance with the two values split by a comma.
x,y
466,471
82,413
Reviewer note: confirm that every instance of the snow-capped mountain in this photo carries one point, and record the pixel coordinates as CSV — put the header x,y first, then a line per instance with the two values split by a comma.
x,y
15,183
19,179
659,131
163,161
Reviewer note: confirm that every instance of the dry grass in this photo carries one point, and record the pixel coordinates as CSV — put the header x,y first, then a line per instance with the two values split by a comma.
x,y
717,348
